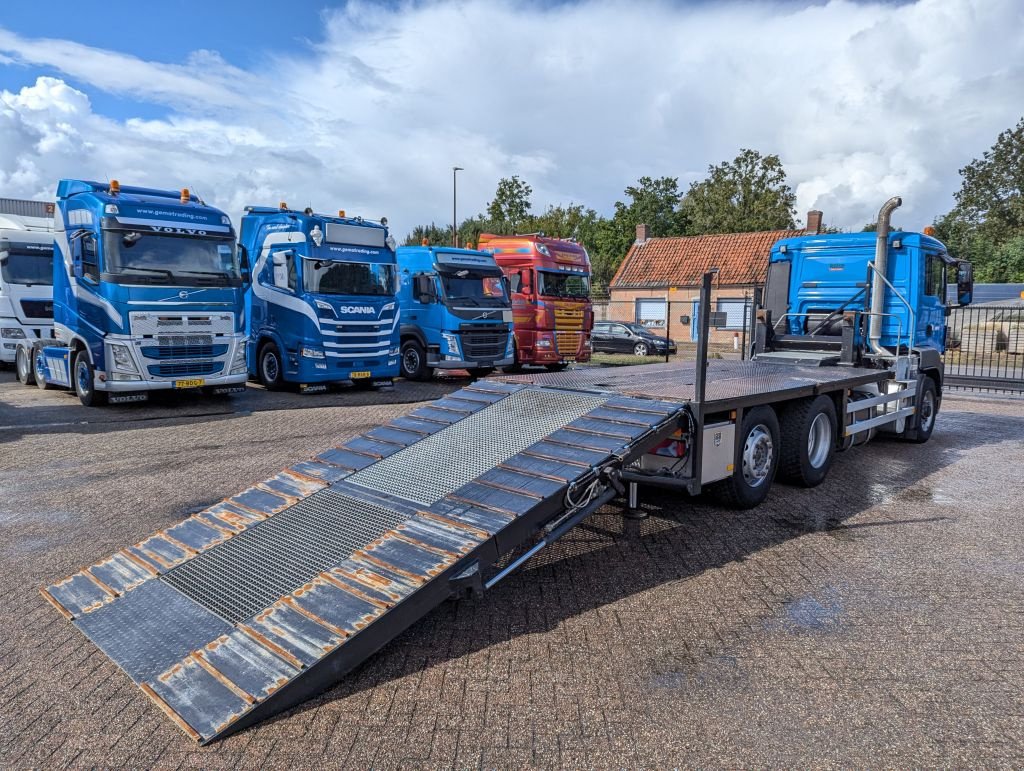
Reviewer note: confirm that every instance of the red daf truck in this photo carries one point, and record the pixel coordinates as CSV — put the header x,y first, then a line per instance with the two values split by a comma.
x,y
551,309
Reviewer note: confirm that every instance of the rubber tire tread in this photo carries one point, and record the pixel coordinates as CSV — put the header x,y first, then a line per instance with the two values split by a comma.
x,y
794,423
733,492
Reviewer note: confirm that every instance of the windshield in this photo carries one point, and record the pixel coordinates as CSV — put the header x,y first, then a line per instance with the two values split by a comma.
x,y
20,267
474,287
365,278
167,259
554,284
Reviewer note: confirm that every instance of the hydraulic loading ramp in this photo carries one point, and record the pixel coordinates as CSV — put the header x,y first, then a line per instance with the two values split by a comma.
x,y
270,597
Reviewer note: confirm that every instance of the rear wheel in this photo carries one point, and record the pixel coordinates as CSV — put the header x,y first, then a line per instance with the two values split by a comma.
x,y
414,361
271,368
927,411
85,382
38,368
808,441
755,462
23,365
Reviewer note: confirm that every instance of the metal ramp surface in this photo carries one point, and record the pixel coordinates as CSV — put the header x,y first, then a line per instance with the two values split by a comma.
x,y
269,597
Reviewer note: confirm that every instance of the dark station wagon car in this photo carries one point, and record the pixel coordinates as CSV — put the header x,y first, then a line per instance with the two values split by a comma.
x,y
623,337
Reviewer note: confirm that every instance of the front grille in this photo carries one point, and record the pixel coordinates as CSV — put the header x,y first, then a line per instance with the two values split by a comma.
x,y
441,463
568,342
186,368
484,345
37,309
183,351
242,576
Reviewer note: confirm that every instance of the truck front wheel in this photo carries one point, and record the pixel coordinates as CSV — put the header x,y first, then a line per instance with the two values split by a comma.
x,y
85,382
414,361
927,411
23,365
808,441
38,368
271,368
755,462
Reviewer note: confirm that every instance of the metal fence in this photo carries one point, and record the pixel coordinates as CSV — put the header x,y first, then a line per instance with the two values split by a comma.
x,y
985,348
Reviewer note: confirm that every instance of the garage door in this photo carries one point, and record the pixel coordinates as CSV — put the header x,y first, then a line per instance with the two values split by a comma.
x,y
735,313
651,311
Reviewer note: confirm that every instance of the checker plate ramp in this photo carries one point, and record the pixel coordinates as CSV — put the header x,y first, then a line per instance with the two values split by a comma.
x,y
269,597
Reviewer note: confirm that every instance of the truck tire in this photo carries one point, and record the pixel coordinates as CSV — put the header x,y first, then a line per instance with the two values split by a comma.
x,y
270,367
23,365
85,382
755,463
927,411
37,375
807,441
414,361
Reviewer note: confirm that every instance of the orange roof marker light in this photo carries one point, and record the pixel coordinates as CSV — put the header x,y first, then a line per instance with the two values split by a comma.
x,y
425,242
186,196
929,230
115,187
341,213
282,205
469,244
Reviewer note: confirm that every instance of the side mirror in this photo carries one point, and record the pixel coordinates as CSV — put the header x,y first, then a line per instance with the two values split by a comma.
x,y
524,282
77,253
243,265
964,283
423,289
280,261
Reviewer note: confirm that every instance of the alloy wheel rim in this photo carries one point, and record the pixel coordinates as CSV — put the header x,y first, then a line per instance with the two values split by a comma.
x,y
819,439
758,453
927,411
411,361
82,377
270,367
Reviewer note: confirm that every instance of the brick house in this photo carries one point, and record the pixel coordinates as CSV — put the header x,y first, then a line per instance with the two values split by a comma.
x,y
658,283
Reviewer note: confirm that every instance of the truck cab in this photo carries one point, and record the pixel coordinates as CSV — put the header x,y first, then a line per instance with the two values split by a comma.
x,y
26,275
321,305
147,295
549,280
456,312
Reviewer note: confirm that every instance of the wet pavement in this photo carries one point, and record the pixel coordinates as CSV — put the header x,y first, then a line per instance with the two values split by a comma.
x,y
875,620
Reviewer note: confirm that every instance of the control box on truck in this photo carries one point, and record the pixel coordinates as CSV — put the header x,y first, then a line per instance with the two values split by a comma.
x,y
457,495
26,275
321,304
147,295
549,280
456,312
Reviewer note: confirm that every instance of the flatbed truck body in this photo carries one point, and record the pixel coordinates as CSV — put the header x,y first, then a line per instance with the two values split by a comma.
x,y
269,597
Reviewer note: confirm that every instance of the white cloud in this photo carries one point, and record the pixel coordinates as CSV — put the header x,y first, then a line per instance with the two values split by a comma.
x,y
861,101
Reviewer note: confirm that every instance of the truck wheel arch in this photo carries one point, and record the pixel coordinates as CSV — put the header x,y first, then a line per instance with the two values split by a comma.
x,y
411,331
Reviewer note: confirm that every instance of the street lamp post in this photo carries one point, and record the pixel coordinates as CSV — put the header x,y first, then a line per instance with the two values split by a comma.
x,y
455,219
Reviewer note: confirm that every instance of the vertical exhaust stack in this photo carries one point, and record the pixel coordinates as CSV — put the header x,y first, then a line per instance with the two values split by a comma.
x,y
878,287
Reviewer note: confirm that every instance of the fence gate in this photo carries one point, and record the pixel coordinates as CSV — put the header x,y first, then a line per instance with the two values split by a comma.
x,y
985,348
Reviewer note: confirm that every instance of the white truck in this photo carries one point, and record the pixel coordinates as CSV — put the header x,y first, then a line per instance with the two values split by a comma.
x,y
26,274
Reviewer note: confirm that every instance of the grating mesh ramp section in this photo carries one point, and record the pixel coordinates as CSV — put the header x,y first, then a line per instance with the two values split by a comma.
x,y
250,572
442,463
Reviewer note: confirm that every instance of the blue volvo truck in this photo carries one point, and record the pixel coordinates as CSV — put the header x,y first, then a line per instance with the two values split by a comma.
x,y
456,312
321,305
147,295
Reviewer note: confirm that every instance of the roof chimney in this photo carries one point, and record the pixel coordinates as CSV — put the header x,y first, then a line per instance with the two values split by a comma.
x,y
813,221
643,233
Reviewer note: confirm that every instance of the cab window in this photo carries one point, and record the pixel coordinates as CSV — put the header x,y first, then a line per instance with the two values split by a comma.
x,y
90,260
934,276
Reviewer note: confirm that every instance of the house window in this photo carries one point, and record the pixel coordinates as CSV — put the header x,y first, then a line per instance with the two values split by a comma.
x,y
736,312
651,312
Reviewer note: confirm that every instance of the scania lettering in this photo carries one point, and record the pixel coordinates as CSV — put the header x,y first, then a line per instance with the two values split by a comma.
x,y
26,279
456,312
550,283
321,305
140,303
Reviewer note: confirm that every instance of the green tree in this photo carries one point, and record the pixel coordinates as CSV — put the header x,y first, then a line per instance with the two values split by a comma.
x,y
511,205
746,194
436,236
987,222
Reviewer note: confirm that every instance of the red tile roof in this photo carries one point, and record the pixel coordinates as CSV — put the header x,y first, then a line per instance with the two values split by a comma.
x,y
742,258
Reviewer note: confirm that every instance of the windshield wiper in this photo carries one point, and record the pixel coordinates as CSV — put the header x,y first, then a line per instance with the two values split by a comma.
x,y
217,273
161,271
465,297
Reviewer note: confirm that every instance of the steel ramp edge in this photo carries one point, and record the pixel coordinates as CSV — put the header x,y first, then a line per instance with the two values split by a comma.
x,y
266,599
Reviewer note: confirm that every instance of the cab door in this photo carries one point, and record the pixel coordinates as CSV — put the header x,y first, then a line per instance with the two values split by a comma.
x,y
931,310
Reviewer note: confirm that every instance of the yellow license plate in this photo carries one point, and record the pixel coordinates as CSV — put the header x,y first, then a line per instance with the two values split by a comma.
x,y
194,383
358,375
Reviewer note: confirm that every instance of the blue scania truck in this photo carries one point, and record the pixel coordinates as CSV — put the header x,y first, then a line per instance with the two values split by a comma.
x,y
147,295
456,312
321,305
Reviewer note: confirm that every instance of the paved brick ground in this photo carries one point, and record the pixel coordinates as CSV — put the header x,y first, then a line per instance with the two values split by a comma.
x,y
876,620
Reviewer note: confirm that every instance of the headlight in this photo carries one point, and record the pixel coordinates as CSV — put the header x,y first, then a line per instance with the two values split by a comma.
x,y
543,343
453,342
122,357
15,333
321,305
311,353
239,365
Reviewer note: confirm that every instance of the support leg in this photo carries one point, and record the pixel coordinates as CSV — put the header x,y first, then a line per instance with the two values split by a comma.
x,y
633,510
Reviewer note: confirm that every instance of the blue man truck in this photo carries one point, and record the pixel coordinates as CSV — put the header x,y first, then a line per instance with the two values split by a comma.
x,y
456,312
147,295
321,305
26,278
457,495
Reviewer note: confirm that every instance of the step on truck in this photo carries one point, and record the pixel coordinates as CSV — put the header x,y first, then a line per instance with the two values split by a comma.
x,y
269,597
456,312
321,305
147,295
26,279
549,279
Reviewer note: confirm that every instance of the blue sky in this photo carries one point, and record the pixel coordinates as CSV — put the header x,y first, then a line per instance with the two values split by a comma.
x,y
366,106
